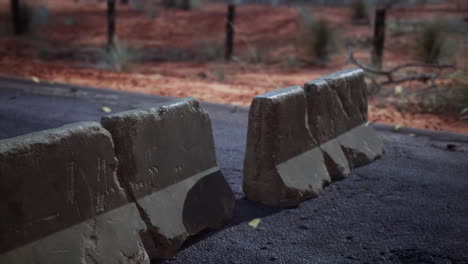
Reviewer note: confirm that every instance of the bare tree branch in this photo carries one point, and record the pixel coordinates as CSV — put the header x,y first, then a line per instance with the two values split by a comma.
x,y
417,77
419,64
363,66
421,77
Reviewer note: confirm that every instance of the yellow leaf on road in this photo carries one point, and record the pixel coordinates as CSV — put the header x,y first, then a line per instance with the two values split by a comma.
x,y
254,223
106,109
35,79
398,89
397,127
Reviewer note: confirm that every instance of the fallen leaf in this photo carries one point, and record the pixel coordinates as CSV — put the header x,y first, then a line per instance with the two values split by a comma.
x,y
254,223
411,135
35,79
398,89
106,109
464,110
397,127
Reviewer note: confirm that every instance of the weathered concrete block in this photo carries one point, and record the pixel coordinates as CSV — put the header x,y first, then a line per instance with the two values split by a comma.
x,y
283,164
337,104
62,202
168,166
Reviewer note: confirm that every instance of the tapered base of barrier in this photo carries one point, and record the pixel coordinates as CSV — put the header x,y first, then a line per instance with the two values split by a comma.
x,y
184,209
361,145
112,237
335,160
297,179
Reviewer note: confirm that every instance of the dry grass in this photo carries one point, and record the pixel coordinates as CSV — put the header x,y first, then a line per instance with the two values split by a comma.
x,y
316,39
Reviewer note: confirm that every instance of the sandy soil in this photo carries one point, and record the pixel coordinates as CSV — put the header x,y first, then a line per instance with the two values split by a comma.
x,y
173,40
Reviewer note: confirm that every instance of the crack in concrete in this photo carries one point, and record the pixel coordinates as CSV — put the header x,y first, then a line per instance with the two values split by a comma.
x,y
90,243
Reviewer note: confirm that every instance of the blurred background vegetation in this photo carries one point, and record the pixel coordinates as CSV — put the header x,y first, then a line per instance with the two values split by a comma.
x,y
279,35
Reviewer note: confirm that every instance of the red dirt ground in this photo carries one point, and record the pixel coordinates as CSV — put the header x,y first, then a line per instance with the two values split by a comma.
x,y
271,30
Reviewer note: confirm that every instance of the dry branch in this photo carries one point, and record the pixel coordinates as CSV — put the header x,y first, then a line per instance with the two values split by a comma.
x,y
389,74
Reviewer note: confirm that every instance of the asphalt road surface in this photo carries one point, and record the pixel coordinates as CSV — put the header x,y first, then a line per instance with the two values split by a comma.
x,y
410,206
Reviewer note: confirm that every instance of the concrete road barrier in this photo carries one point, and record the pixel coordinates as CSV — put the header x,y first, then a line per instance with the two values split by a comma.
x,y
167,164
337,113
283,162
61,201
301,138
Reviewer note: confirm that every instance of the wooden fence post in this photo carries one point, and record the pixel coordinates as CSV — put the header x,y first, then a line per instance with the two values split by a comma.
x,y
110,23
18,27
230,31
378,40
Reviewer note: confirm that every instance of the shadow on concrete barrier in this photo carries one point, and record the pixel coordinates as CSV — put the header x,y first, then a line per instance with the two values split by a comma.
x,y
168,167
61,201
301,138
